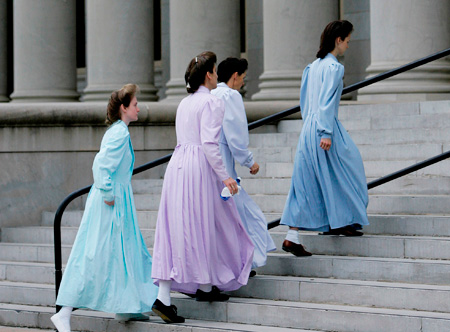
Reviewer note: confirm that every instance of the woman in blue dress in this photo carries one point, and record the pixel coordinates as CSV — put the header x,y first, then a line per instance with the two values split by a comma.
x,y
233,145
109,267
328,191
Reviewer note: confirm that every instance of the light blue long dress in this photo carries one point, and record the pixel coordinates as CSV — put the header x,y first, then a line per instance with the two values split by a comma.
x,y
328,188
233,143
109,268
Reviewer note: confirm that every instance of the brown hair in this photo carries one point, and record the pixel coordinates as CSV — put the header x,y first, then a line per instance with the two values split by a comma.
x,y
197,69
328,38
120,97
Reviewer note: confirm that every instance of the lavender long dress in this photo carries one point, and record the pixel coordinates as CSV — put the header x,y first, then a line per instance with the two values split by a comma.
x,y
199,237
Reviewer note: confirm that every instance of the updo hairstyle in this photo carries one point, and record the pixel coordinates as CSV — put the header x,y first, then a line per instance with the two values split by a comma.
x,y
120,97
229,66
333,30
196,71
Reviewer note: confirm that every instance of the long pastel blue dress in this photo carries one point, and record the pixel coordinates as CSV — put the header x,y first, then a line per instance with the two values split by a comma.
x,y
109,268
328,188
233,143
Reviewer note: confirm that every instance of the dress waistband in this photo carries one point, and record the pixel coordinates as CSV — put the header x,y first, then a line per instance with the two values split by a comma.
x,y
188,144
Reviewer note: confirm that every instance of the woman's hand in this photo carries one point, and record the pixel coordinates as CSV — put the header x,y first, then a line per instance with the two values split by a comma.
x,y
231,185
254,169
109,203
325,143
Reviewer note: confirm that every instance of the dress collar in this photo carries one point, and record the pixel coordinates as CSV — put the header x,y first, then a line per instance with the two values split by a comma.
x,y
120,123
203,89
223,85
331,56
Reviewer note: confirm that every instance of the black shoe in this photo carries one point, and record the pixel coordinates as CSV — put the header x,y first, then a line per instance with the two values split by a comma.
x,y
350,231
252,274
213,296
190,295
167,313
335,231
295,249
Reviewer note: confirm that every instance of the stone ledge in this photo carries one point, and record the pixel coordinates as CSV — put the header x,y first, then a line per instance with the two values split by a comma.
x,y
93,113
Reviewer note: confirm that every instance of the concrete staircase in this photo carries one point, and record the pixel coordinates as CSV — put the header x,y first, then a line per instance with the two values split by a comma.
x,y
395,278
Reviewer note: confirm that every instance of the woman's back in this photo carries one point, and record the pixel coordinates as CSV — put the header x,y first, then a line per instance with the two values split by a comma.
x,y
189,116
321,86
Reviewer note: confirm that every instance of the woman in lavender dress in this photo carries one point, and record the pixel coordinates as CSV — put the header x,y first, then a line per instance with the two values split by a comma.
x,y
201,246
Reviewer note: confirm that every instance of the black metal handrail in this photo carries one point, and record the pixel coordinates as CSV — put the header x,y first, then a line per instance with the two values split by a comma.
x,y
253,125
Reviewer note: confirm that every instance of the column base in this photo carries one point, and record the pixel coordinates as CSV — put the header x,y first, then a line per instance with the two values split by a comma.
x,y
428,82
4,99
175,90
103,92
279,85
44,96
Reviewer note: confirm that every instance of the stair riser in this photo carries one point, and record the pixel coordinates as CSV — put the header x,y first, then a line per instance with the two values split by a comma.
x,y
409,225
291,317
378,204
427,272
367,246
347,294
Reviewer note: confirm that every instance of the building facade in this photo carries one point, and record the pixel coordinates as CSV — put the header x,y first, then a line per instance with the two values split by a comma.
x,y
72,51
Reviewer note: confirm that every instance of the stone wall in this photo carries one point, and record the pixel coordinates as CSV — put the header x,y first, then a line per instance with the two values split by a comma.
x,y
47,150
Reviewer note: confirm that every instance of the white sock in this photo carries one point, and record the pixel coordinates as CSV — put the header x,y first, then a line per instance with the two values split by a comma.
x,y
164,291
292,235
205,287
61,320
65,312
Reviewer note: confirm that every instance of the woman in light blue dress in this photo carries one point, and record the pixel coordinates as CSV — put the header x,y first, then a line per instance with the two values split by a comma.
x,y
233,145
109,268
328,191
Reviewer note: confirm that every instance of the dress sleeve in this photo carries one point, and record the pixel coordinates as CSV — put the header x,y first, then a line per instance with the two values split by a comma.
x,y
328,98
210,127
108,159
235,129
304,102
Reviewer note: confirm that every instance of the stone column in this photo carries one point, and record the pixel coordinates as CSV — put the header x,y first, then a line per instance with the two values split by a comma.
x,y
3,54
44,51
119,48
292,32
255,47
196,26
403,31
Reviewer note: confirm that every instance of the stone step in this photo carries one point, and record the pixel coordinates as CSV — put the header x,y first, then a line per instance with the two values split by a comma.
x,y
426,225
94,321
312,290
409,184
417,247
314,316
44,235
411,121
407,151
378,204
270,313
21,329
400,136
415,185
27,293
372,168
146,219
419,227
348,292
386,110
432,272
